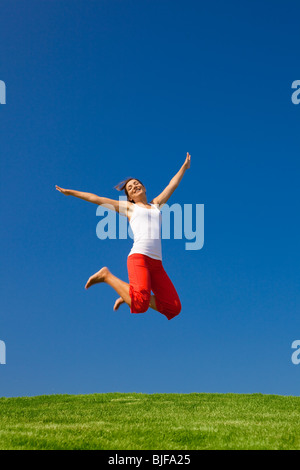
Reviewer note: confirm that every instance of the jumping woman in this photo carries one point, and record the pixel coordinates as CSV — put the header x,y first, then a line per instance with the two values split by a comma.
x,y
144,262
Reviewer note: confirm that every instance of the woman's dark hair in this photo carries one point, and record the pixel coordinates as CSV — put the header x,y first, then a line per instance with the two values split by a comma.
x,y
122,186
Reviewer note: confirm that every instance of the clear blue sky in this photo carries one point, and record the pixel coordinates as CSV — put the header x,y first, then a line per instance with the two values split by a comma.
x,y
101,90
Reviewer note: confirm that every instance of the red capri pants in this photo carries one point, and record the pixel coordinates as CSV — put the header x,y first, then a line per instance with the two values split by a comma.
x,y
146,274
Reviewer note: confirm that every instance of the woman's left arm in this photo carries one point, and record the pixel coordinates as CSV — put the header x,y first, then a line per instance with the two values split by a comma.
x,y
162,198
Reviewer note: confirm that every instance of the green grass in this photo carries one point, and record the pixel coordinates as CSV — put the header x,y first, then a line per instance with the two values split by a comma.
x,y
119,421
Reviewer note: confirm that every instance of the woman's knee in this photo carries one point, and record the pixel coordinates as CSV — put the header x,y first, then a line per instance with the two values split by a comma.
x,y
176,309
142,307
140,301
170,310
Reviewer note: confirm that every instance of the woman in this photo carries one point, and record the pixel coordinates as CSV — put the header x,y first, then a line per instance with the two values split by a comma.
x,y
144,262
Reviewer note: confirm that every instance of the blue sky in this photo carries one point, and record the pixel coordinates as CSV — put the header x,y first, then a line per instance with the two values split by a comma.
x,y
101,90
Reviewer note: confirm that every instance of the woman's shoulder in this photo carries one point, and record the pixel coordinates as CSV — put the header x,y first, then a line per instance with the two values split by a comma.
x,y
155,204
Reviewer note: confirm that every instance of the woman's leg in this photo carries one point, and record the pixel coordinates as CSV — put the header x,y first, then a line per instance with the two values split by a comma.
x,y
120,301
139,282
166,297
121,287
104,275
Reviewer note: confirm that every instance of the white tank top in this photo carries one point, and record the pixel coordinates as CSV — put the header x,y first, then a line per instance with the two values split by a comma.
x,y
146,228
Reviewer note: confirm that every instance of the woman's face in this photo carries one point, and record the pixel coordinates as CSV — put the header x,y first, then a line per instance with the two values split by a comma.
x,y
134,188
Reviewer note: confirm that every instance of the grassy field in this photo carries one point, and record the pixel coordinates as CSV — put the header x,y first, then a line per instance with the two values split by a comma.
x,y
118,421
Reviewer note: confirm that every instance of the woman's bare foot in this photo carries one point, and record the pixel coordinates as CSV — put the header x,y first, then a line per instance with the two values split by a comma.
x,y
100,276
118,302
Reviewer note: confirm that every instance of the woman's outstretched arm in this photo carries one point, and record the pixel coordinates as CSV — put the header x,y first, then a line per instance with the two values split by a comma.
x,y
168,191
118,206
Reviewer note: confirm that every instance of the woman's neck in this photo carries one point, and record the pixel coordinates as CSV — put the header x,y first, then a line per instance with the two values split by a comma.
x,y
142,201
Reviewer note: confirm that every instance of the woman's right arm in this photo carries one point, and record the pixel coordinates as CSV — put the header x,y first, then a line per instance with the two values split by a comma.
x,y
119,206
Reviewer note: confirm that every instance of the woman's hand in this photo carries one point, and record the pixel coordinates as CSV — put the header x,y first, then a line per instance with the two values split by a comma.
x,y
187,162
66,192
